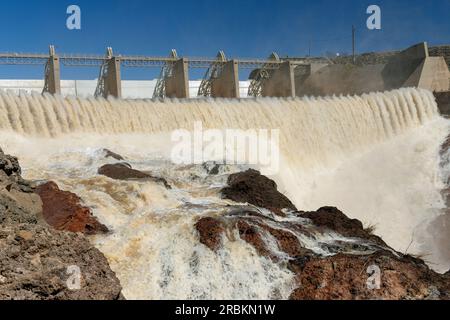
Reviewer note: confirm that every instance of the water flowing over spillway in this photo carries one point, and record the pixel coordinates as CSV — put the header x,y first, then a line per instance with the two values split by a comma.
x,y
376,157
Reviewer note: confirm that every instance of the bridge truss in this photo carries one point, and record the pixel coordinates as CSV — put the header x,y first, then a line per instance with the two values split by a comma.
x,y
213,66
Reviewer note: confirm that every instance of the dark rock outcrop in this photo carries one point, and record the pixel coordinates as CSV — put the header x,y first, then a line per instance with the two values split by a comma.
x,y
210,231
38,262
343,273
252,187
63,211
345,277
123,171
334,219
249,233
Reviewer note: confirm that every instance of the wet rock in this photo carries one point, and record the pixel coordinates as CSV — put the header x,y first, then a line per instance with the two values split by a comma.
x,y
37,263
211,168
333,219
251,227
109,154
287,241
344,273
123,171
252,187
251,235
63,211
349,277
211,231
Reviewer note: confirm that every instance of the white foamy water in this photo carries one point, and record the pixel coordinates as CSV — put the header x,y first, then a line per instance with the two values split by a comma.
x,y
375,157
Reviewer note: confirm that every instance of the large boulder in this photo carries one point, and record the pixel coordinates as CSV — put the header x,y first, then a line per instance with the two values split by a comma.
x,y
252,187
349,277
211,231
332,218
330,255
63,211
123,171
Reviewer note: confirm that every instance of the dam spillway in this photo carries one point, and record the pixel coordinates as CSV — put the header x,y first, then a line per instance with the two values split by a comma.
x,y
373,155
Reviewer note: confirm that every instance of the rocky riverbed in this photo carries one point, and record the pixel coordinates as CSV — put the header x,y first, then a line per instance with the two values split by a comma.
x,y
45,232
43,243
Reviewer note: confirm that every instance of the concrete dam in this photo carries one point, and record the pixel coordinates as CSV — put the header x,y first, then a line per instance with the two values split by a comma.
x,y
364,138
374,155
272,77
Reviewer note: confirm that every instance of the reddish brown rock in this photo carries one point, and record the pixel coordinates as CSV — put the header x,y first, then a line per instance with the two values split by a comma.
x,y
345,277
287,241
123,171
250,227
251,235
252,187
333,219
211,231
63,211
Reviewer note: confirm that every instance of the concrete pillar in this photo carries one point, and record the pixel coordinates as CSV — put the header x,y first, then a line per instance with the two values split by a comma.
x,y
53,77
113,78
177,86
227,85
281,82
402,66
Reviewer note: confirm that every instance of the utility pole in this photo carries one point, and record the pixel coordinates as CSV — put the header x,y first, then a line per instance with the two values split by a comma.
x,y
353,43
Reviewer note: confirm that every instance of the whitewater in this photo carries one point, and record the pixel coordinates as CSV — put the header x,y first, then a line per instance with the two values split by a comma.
x,y
375,157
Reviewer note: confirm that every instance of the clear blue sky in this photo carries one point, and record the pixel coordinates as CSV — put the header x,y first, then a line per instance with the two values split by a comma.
x,y
242,28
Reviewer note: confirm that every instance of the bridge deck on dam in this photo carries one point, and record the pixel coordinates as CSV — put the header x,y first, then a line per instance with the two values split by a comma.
x,y
416,66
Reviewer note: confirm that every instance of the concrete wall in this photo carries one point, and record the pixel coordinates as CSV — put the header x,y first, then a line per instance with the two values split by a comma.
x,y
341,79
142,89
432,74
412,67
